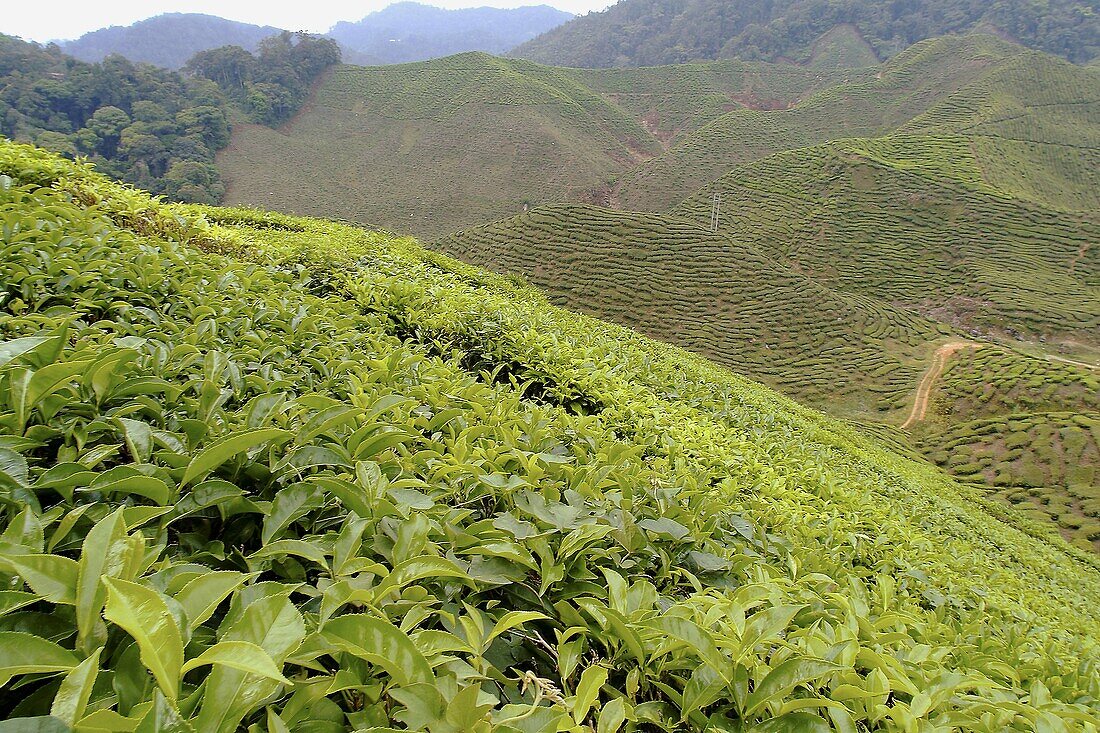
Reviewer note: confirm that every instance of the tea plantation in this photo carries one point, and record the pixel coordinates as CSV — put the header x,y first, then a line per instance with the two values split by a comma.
x,y
278,474
716,295
1026,427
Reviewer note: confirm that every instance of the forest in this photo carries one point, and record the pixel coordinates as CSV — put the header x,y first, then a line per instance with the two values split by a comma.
x,y
156,129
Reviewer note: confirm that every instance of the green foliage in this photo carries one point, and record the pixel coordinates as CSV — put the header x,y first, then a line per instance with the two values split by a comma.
x,y
341,483
272,84
133,121
652,32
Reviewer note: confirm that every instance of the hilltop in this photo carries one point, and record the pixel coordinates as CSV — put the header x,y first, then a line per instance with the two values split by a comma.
x,y
167,40
655,32
401,32
409,31
343,462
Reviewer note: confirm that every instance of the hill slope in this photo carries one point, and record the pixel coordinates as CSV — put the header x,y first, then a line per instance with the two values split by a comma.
x,y
335,420
652,32
409,31
1034,123
434,146
167,40
716,295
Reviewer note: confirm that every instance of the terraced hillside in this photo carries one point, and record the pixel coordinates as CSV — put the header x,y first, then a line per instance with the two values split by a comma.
x,y
436,146
911,221
716,295
398,147
433,146
1034,123
673,101
284,473
1029,428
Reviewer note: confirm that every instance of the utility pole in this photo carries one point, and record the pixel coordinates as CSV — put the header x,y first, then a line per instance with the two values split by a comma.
x,y
716,206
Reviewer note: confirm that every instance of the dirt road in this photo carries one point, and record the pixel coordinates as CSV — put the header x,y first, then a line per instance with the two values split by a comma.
x,y
928,381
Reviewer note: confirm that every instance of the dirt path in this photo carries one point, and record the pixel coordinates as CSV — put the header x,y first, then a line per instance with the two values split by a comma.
x,y
928,381
1086,365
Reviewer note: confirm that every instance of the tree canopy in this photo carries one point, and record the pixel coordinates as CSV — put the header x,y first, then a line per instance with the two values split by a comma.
x,y
150,127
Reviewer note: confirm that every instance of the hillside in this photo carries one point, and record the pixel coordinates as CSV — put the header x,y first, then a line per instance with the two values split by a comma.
x,y
958,249
716,295
433,146
656,32
1027,428
167,40
437,146
817,282
343,464
409,31
1033,120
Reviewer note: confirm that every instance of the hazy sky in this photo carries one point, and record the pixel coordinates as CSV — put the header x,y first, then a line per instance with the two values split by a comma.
x,y
67,19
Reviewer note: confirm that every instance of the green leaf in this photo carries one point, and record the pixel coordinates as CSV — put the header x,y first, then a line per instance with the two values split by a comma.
x,y
144,615
150,487
49,379
349,494
14,466
163,717
416,569
665,527
38,724
72,697
703,688
138,436
794,723
695,637
290,504
52,577
242,655
511,620
612,716
22,653
299,548
381,643
102,554
785,677
222,450
271,623
11,350
766,625
588,691
325,420
13,600
202,595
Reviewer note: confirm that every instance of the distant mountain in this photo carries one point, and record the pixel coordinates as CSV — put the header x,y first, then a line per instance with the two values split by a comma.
x,y
411,31
167,40
651,32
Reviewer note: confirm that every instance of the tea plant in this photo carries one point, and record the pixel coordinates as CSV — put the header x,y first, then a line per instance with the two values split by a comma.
x,y
335,482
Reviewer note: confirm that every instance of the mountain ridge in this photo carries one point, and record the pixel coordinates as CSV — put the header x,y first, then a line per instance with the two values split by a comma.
x,y
652,32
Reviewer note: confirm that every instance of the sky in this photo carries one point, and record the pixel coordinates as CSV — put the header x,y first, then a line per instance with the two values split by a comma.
x,y
67,19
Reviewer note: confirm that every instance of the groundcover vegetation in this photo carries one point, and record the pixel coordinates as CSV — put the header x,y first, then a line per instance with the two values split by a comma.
x,y
275,474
